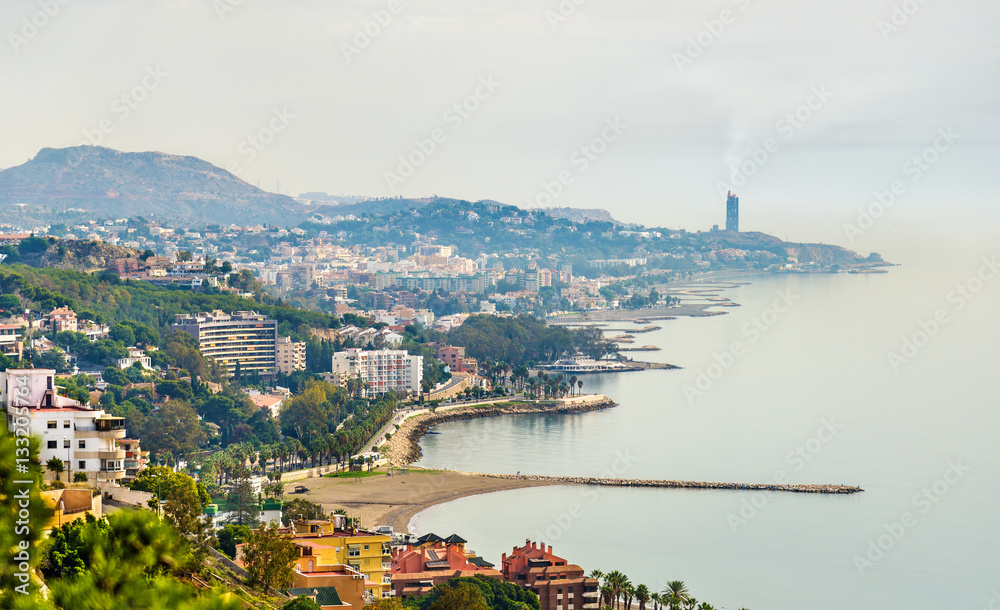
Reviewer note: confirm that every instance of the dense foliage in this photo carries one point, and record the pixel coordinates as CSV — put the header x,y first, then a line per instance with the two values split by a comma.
x,y
525,340
130,559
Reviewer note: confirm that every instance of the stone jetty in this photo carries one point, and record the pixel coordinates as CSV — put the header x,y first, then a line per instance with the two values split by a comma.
x,y
604,482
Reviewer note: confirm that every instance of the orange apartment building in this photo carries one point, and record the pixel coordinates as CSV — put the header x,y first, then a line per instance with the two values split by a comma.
x,y
559,585
432,561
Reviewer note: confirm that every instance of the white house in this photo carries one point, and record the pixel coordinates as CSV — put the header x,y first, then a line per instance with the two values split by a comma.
x,y
83,438
135,355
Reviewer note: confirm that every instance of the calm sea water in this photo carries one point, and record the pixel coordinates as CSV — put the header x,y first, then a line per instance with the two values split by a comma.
x,y
808,395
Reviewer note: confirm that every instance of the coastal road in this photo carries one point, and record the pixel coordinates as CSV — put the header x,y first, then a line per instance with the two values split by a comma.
x,y
402,414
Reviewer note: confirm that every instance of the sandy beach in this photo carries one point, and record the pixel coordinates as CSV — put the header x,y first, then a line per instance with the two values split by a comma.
x,y
394,500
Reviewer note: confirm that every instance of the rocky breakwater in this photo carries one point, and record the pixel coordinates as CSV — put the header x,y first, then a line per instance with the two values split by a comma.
x,y
789,488
404,446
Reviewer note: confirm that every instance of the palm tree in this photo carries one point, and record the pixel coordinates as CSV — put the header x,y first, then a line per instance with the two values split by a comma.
x,y
642,596
629,592
617,581
579,384
596,574
572,382
656,599
607,595
55,465
675,594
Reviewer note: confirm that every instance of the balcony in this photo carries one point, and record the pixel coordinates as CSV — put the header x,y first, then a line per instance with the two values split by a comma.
x,y
386,567
112,434
116,454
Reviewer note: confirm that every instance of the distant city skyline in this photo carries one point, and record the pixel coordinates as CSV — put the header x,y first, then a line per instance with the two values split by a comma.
x,y
651,111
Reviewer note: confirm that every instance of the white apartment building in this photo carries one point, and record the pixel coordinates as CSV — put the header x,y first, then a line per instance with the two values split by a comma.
x,y
380,371
290,355
83,438
11,341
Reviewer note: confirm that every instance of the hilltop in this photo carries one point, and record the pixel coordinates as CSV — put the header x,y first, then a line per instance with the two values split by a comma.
x,y
74,255
87,182
489,227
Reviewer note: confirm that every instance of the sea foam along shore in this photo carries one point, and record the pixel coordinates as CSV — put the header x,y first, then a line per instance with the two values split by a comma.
x,y
404,446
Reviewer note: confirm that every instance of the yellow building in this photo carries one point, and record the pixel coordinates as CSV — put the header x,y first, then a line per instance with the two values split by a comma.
x,y
324,544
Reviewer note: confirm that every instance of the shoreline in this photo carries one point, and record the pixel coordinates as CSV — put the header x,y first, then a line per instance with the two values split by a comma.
x,y
397,496
404,446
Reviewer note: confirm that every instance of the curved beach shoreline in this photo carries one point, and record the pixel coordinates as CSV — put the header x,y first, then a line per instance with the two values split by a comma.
x,y
404,446
397,498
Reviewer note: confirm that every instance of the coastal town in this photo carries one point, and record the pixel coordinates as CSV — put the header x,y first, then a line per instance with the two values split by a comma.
x,y
265,390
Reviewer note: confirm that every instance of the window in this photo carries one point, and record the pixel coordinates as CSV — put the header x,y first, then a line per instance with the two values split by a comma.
x,y
366,547
83,444
66,423
65,443
81,465
53,444
52,425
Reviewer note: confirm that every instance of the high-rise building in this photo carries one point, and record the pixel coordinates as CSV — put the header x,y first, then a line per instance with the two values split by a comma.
x,y
380,371
245,337
290,355
733,213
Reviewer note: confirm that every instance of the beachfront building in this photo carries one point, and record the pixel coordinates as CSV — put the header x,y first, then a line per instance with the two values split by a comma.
x,y
558,584
431,561
84,439
583,364
245,340
290,355
380,371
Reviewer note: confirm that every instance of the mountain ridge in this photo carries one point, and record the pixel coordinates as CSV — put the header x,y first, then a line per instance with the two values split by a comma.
x,y
96,180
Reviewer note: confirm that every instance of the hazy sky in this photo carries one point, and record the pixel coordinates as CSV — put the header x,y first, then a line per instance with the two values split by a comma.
x,y
693,88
